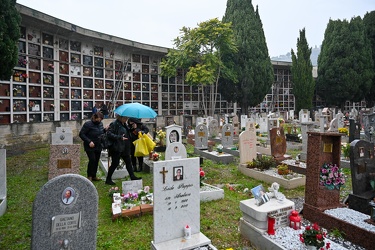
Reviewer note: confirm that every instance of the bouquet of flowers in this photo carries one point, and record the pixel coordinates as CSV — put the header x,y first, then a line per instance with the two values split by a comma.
x,y
160,137
314,236
145,196
331,176
130,200
113,190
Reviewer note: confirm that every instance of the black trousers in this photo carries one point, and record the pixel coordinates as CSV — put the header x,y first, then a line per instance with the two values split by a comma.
x,y
92,166
116,161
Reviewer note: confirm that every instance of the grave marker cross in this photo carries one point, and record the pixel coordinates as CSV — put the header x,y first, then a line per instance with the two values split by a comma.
x,y
163,173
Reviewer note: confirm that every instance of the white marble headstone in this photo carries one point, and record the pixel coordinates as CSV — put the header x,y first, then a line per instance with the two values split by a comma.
x,y
173,134
176,202
175,150
304,115
247,145
63,136
131,186
243,121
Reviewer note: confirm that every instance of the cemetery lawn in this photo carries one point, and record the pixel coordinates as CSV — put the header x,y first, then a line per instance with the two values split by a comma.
x,y
27,172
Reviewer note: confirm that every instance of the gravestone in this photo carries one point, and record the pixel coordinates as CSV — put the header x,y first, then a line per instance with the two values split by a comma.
x,y
334,125
272,123
227,136
340,119
369,127
213,128
199,120
201,137
263,124
278,144
64,159
64,155
247,146
243,121
173,134
236,125
362,165
3,182
304,115
354,130
62,223
175,150
151,128
177,205
63,136
305,127
131,186
188,124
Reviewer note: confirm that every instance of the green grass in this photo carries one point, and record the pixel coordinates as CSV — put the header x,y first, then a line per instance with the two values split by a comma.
x,y
28,172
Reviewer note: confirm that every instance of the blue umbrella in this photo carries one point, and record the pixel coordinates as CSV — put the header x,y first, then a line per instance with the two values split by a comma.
x,y
135,110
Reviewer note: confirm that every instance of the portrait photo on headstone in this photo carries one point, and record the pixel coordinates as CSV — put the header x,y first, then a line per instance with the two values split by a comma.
x,y
68,195
174,136
178,173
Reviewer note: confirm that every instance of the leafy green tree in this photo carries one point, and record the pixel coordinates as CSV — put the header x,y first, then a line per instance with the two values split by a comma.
x,y
251,63
9,34
345,69
303,81
199,51
369,22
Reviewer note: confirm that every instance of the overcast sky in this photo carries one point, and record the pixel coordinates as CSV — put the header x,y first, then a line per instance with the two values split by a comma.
x,y
158,22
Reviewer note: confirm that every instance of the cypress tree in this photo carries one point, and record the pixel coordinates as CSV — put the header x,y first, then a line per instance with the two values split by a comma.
x,y
303,82
251,63
369,22
345,63
9,35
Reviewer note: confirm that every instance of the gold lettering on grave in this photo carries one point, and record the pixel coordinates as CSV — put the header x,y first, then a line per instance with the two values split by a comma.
x,y
227,133
201,134
66,163
327,147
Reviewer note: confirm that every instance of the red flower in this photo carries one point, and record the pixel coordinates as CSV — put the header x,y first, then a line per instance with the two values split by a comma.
x,y
328,245
316,227
201,173
319,236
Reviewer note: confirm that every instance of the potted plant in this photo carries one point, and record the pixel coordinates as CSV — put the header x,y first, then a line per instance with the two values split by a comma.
x,y
313,237
282,169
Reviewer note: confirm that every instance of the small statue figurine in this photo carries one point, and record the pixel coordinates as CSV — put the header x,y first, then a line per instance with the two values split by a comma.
x,y
274,192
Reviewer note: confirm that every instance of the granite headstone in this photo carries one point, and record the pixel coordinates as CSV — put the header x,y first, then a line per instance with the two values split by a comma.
x,y
65,214
247,146
227,135
175,150
201,136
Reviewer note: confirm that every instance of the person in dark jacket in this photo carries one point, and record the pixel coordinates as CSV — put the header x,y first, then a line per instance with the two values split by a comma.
x,y
135,126
90,134
118,132
104,110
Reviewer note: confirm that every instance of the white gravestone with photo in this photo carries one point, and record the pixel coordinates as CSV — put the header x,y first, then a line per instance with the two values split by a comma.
x,y
65,214
201,137
177,205
227,136
3,182
243,121
175,150
304,115
173,134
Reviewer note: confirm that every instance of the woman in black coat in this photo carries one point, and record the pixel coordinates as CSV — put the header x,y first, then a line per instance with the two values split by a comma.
x,y
118,132
135,126
90,134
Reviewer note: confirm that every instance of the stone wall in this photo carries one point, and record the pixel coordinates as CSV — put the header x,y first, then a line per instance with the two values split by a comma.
x,y
26,134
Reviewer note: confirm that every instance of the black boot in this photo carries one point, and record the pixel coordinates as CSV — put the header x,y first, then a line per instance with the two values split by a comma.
x,y
108,180
131,173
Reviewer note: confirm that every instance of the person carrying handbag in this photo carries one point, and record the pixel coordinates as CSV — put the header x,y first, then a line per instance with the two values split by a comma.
x,y
118,132
136,126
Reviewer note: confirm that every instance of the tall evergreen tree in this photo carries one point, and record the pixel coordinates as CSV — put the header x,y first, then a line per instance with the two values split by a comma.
x,y
369,22
9,34
345,64
303,81
251,63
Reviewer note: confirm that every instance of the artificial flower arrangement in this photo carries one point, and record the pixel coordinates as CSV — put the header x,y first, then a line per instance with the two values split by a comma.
x,y
344,131
160,137
314,236
132,199
202,176
331,176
